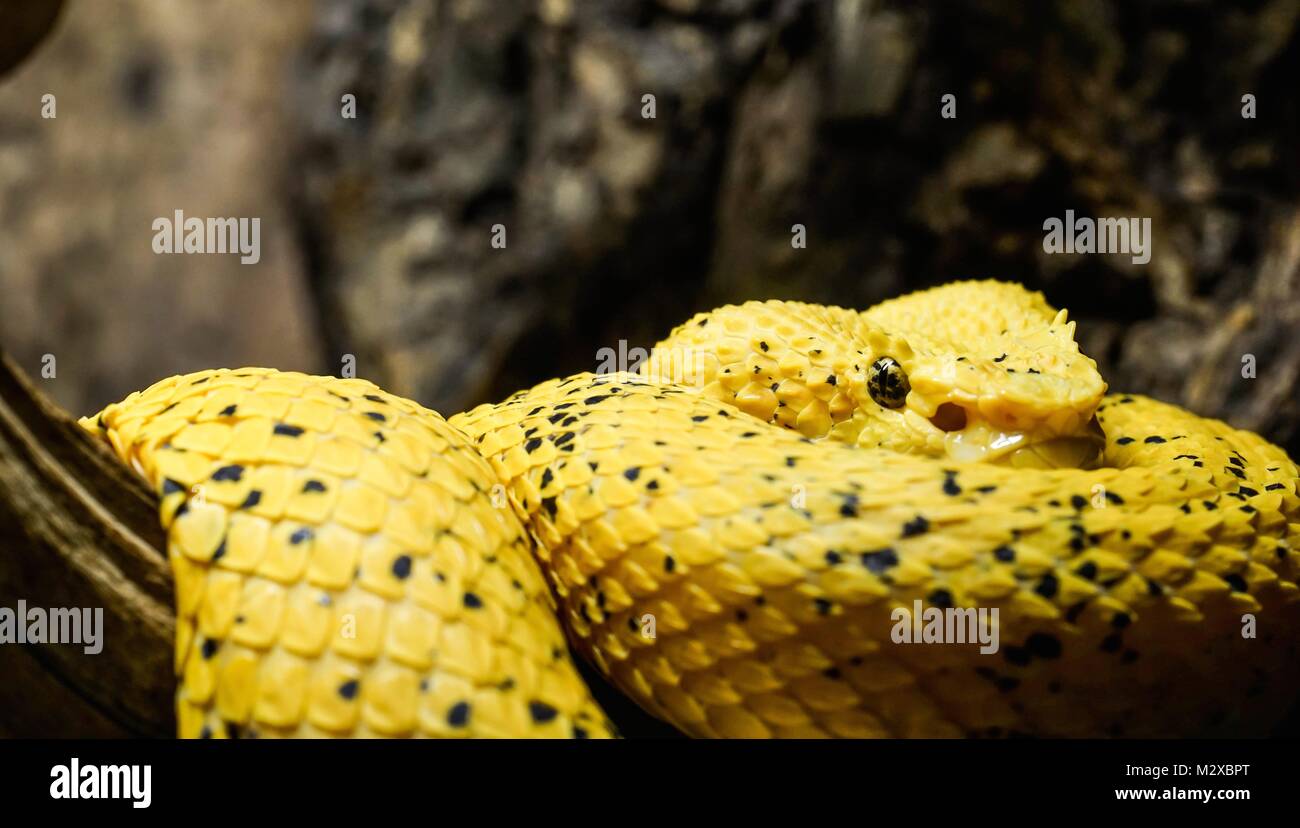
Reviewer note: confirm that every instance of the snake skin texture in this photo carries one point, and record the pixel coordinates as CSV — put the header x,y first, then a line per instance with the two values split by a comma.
x,y
727,536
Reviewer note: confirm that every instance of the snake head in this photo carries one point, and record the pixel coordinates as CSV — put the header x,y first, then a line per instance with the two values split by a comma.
x,y
991,373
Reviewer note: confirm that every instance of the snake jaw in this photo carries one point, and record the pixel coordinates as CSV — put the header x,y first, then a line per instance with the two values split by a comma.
x,y
968,431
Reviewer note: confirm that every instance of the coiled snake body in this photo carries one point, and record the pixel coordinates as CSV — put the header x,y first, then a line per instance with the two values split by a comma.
x,y
729,536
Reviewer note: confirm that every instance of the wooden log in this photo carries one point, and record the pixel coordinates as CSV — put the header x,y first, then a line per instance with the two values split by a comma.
x,y
78,529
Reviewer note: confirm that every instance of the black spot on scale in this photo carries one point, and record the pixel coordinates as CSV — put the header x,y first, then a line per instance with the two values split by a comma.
x,y
376,416
348,689
303,534
472,601
533,444
287,430
313,486
1114,498
1237,582
170,486
916,526
950,486
547,477
1088,571
670,563
699,418
1154,439
849,508
1273,487
941,598
541,712
880,560
1123,441
833,557
548,503
823,606
1048,586
1005,554
459,714
596,398
402,567
228,474
1078,501
228,411
254,498
999,359
632,473
1247,491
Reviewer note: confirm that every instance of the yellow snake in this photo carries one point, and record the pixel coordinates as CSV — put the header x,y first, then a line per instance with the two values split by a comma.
x,y
731,536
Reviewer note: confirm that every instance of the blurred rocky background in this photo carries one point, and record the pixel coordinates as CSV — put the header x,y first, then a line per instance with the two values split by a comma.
x,y
377,230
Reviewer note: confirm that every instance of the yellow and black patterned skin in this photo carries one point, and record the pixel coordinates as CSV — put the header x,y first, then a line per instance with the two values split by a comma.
x,y
728,535
341,569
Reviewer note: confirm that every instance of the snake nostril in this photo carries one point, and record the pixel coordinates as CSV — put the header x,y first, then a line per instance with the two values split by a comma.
x,y
949,417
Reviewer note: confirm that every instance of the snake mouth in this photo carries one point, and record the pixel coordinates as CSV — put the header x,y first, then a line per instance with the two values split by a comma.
x,y
967,437
1082,452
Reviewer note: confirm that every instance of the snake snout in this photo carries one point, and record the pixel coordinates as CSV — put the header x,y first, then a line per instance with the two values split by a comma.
x,y
968,435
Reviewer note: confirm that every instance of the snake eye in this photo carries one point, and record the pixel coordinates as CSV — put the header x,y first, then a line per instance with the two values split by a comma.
x,y
887,384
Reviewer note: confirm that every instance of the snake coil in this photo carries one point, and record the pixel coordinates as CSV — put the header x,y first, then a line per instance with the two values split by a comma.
x,y
732,549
